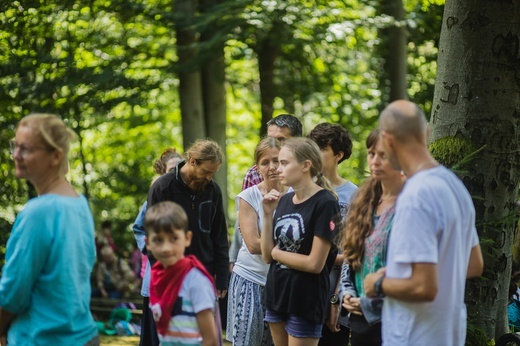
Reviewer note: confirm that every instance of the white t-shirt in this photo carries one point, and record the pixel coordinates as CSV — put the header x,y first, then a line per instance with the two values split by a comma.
x,y
248,266
434,223
196,295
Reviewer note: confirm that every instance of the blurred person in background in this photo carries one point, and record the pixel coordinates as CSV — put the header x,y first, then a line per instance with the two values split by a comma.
x,y
164,164
114,277
45,283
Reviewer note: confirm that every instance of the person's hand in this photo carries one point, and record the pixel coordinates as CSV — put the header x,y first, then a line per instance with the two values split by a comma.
x,y
3,340
333,319
270,201
370,280
221,293
352,304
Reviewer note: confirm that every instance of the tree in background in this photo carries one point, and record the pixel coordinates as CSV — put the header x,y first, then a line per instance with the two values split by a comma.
x,y
112,69
424,28
393,48
188,71
85,62
477,106
201,72
213,79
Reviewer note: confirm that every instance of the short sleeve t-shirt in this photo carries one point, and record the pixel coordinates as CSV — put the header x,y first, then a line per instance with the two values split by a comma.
x,y
196,295
345,194
434,223
295,226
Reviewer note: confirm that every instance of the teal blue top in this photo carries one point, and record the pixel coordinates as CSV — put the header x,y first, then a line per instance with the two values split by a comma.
x,y
46,278
376,245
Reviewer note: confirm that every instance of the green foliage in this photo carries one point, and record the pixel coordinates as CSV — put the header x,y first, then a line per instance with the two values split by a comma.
x,y
516,244
109,69
101,67
5,226
424,29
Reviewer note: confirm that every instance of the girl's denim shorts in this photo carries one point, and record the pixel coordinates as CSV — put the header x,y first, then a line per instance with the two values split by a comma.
x,y
295,326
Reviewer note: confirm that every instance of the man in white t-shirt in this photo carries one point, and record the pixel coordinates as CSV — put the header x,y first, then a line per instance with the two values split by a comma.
x,y
433,245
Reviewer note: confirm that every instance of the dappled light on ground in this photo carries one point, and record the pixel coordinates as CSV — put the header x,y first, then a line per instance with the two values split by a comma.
x,y
126,341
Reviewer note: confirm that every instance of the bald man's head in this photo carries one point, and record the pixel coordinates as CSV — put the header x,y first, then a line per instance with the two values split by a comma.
x,y
404,120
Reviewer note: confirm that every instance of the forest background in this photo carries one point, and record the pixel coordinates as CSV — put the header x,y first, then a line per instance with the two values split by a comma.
x,y
133,77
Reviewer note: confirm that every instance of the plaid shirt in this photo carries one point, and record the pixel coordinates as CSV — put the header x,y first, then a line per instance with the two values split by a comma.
x,y
252,178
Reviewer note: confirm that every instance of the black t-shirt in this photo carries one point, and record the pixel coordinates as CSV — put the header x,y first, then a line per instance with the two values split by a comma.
x,y
295,225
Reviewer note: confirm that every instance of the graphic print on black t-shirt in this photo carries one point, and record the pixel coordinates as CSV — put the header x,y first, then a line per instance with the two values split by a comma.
x,y
289,233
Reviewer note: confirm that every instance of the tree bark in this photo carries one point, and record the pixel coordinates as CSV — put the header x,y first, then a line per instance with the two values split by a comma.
x,y
267,53
86,191
394,50
214,93
190,87
477,97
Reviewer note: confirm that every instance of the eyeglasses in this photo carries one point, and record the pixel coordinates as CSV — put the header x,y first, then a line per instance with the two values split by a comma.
x,y
24,151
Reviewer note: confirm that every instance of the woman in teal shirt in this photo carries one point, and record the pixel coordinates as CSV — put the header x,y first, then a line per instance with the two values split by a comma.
x,y
45,284
365,243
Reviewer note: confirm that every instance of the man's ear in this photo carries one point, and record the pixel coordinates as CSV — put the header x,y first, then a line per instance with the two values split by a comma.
x,y
387,138
189,236
339,156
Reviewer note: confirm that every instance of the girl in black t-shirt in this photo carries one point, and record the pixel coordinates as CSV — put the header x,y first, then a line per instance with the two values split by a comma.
x,y
297,242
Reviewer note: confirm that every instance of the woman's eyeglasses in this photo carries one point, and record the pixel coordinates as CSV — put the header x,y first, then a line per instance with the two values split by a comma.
x,y
23,151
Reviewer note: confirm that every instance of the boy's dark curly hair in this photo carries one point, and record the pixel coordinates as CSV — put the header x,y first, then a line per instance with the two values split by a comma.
x,y
334,135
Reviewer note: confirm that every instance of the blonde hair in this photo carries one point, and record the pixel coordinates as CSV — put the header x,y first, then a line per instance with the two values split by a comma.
x,y
264,145
53,131
305,149
205,150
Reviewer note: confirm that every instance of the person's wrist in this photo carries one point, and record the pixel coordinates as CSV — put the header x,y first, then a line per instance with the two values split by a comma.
x,y
334,299
378,287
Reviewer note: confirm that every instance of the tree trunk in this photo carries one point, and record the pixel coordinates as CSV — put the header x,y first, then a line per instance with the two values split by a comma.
x,y
214,92
190,87
393,40
86,191
477,98
267,53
